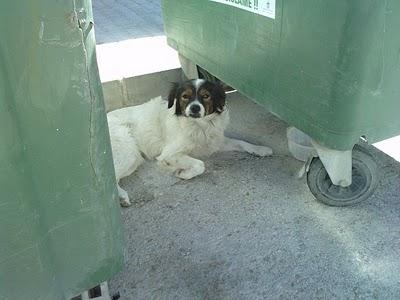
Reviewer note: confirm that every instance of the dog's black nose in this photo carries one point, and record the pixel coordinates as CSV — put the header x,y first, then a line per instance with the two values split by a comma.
x,y
195,108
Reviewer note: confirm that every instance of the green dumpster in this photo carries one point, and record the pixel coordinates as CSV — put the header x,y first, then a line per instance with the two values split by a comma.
x,y
60,228
329,68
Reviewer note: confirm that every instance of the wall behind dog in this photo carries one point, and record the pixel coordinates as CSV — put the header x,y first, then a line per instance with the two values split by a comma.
x,y
139,89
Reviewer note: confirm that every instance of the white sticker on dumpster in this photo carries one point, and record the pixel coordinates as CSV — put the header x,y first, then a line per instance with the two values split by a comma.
x,y
261,7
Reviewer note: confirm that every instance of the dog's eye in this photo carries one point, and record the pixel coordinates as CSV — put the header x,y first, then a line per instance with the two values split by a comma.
x,y
185,97
206,97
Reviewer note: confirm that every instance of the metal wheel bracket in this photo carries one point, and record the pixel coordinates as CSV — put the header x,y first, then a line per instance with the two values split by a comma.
x,y
306,167
338,164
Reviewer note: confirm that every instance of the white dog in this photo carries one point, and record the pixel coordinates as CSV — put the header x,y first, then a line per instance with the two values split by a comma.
x,y
176,134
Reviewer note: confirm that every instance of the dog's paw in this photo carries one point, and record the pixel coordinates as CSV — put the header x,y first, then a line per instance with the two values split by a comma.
x,y
123,197
261,151
185,174
125,202
195,170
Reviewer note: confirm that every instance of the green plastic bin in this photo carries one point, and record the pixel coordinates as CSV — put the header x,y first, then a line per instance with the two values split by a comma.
x,y
60,227
329,68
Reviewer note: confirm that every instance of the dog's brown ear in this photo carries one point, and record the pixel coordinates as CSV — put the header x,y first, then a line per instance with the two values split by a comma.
x,y
219,97
172,95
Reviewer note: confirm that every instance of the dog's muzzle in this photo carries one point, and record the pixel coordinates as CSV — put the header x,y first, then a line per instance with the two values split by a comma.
x,y
195,110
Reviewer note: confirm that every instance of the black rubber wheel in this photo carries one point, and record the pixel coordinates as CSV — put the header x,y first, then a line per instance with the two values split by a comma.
x,y
364,181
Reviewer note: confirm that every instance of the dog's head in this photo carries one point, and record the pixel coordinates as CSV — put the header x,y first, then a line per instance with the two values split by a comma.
x,y
197,98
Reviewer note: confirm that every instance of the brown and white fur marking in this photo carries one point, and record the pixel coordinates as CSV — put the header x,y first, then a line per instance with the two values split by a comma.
x,y
176,134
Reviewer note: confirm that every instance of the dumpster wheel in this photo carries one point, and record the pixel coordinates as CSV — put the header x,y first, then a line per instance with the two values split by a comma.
x,y
364,181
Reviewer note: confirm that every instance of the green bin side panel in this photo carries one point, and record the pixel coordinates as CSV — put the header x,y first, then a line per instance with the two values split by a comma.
x,y
330,68
60,227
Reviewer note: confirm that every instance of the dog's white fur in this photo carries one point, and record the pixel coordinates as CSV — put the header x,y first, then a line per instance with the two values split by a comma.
x,y
153,131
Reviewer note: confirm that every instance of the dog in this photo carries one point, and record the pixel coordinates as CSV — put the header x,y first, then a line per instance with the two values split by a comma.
x,y
176,133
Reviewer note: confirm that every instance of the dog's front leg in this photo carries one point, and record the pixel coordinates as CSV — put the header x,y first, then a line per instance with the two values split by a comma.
x,y
242,146
188,167
184,166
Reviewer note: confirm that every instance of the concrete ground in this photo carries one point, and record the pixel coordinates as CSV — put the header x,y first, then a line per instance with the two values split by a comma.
x,y
119,20
248,229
